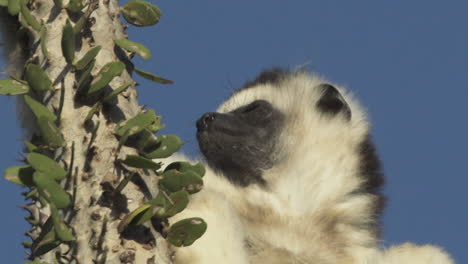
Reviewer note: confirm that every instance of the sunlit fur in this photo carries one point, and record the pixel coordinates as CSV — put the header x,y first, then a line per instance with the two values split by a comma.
x,y
312,209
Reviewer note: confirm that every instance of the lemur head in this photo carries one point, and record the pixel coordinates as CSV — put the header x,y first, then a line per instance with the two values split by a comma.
x,y
282,117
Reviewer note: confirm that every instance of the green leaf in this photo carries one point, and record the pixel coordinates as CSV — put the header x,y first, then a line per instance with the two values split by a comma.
x,y
59,3
21,175
31,194
84,18
135,214
136,124
153,77
44,43
187,231
14,7
162,206
75,5
37,79
157,206
179,200
156,126
27,245
46,165
105,76
140,13
93,110
184,166
117,91
37,243
12,87
163,147
50,190
50,133
46,244
4,3
28,17
29,147
68,42
84,79
174,181
39,109
87,58
140,162
131,46
61,229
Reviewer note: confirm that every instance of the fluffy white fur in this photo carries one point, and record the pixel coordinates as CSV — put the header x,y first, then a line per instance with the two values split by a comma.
x,y
306,214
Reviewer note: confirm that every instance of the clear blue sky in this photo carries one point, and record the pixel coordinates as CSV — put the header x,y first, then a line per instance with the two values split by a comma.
x,y
406,60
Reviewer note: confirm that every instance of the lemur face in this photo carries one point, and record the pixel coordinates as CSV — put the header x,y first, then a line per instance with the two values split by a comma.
x,y
239,143
241,140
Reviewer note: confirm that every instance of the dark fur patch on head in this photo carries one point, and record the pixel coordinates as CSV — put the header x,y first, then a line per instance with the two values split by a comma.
x,y
332,102
270,76
371,170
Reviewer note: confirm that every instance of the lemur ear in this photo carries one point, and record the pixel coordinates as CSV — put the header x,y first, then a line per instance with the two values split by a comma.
x,y
332,102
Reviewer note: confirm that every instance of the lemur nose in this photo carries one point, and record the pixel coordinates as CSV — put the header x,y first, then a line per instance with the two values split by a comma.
x,y
204,121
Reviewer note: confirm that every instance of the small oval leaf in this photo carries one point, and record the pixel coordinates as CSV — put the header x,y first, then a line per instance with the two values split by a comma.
x,y
105,76
37,79
140,13
174,181
50,133
61,229
184,166
179,201
152,77
85,78
28,17
14,7
21,175
187,231
59,3
87,58
68,42
131,46
140,162
117,91
93,110
45,244
131,216
12,87
38,109
44,43
29,147
136,124
75,5
50,190
46,165
163,147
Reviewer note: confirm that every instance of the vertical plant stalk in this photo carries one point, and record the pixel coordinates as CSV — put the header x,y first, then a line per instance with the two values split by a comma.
x,y
96,210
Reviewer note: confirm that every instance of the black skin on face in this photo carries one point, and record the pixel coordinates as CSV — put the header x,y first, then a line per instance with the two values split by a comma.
x,y
239,143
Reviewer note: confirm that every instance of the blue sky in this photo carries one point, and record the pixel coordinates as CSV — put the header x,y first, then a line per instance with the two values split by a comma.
x,y
407,61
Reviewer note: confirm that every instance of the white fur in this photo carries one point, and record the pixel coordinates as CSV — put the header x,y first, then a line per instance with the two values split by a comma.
x,y
412,254
306,214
